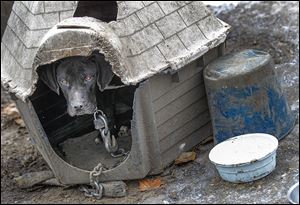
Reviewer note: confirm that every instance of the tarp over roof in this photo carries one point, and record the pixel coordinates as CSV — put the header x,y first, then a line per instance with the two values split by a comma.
x,y
148,37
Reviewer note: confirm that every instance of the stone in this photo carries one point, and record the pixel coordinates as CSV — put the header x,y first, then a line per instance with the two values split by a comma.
x,y
160,199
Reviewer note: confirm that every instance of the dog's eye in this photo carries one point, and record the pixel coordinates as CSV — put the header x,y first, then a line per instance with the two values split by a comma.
x,y
88,77
64,82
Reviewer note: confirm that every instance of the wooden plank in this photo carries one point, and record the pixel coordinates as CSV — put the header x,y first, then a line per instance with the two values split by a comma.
x,y
181,118
179,104
163,83
168,156
211,55
184,87
184,131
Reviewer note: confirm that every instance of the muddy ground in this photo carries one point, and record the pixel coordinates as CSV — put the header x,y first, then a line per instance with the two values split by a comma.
x,y
268,26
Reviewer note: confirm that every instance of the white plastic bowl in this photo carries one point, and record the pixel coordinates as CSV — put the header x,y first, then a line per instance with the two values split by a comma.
x,y
245,158
293,194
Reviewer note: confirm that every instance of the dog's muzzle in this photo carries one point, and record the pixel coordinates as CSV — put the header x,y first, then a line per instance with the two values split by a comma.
x,y
81,109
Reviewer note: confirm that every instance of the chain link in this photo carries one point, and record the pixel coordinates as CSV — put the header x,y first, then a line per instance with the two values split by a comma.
x,y
121,152
110,142
97,171
112,147
97,190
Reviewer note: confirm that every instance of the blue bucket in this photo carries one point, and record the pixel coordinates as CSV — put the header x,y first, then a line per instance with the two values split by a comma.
x,y
244,96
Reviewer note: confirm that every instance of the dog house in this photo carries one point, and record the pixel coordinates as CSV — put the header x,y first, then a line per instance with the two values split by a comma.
x,y
159,48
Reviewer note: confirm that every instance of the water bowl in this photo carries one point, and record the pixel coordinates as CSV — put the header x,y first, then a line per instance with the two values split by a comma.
x,y
293,194
245,158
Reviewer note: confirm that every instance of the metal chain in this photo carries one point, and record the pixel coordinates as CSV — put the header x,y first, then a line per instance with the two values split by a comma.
x,y
110,142
97,190
97,171
112,147
121,152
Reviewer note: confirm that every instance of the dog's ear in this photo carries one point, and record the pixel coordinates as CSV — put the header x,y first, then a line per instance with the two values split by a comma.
x,y
48,75
105,73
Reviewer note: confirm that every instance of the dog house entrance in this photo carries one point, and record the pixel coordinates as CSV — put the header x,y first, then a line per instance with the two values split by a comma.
x,y
73,138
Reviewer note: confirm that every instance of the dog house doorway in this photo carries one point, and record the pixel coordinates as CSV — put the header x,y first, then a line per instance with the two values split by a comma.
x,y
75,139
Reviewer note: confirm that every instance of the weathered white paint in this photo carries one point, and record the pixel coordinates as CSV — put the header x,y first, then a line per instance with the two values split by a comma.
x,y
243,149
153,36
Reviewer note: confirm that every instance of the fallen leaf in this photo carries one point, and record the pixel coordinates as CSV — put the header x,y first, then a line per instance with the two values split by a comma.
x,y
185,157
148,184
10,111
20,122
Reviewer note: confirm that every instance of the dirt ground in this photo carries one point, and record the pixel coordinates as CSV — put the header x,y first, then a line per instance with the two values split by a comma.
x,y
268,26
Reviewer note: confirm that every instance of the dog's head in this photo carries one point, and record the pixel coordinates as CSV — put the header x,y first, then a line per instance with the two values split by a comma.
x,y
78,77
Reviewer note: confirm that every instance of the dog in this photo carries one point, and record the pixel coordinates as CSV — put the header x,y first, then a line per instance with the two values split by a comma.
x,y
86,84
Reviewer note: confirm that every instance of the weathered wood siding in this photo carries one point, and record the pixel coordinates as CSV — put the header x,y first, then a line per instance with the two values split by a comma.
x,y
181,110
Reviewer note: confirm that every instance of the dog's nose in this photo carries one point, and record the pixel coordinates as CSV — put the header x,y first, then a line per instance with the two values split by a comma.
x,y
78,107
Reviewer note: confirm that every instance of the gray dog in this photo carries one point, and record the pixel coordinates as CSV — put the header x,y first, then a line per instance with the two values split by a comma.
x,y
77,78
83,81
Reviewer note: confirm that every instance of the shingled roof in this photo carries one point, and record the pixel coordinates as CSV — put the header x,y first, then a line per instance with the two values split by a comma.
x,y
154,36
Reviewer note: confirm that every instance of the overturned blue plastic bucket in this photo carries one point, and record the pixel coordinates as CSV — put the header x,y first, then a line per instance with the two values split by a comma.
x,y
244,96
